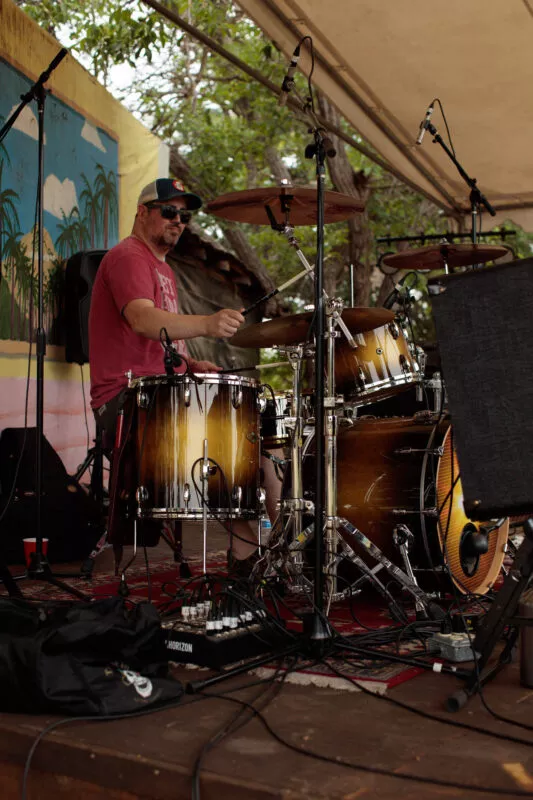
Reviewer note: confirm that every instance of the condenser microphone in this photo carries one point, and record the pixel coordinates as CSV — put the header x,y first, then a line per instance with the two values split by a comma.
x,y
288,81
424,124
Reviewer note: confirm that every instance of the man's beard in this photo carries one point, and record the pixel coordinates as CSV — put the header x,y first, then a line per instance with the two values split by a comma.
x,y
168,238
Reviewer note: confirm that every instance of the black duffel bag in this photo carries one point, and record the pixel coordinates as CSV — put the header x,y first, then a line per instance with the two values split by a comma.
x,y
83,659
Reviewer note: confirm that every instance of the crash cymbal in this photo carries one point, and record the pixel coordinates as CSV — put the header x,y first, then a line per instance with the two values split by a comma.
x,y
439,255
294,329
299,201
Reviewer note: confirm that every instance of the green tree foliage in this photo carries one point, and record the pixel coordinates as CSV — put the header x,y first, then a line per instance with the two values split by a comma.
x,y
227,133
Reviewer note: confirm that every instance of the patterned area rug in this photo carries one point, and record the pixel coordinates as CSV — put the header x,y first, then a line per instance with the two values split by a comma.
x,y
157,581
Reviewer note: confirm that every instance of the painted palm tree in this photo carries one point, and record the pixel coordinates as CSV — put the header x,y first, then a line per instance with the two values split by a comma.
x,y
53,294
106,192
68,241
25,297
9,220
11,250
91,208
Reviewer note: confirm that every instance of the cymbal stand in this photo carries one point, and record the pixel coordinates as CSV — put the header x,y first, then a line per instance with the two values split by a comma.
x,y
292,508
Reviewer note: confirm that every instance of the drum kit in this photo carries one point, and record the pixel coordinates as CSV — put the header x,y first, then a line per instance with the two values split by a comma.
x,y
393,497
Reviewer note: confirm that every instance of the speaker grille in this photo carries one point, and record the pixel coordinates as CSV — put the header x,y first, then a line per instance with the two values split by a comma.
x,y
484,323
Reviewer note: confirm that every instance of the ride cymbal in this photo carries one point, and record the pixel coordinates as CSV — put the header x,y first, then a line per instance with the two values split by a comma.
x,y
441,255
298,202
294,328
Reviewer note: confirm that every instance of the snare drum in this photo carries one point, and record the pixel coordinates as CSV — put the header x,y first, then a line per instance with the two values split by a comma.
x,y
274,429
380,366
179,421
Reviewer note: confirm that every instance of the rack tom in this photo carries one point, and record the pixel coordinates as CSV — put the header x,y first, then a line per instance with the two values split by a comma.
x,y
381,366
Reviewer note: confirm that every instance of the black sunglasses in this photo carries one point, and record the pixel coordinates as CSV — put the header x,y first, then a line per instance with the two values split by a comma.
x,y
171,212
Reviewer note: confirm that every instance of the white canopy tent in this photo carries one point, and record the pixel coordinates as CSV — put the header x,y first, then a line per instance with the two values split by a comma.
x,y
382,62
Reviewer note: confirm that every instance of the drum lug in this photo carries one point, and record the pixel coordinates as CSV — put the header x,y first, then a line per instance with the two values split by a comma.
x,y
141,495
361,379
404,365
407,451
237,397
394,329
261,403
237,496
404,512
186,494
187,396
261,495
143,401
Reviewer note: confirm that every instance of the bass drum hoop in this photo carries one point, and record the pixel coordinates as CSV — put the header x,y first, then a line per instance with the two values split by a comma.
x,y
451,524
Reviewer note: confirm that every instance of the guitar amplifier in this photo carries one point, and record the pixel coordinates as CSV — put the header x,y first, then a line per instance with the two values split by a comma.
x,y
484,324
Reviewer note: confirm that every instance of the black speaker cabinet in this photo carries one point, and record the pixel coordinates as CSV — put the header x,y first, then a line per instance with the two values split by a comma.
x,y
484,324
69,518
80,274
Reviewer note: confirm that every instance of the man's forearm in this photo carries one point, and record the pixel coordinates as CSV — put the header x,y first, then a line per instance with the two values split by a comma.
x,y
149,321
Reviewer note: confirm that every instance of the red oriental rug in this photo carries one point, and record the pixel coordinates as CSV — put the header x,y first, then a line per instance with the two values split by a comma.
x,y
158,580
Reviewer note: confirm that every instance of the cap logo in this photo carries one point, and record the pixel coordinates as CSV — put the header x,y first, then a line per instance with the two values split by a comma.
x,y
178,185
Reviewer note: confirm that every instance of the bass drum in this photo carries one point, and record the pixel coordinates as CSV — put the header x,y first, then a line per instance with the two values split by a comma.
x,y
405,470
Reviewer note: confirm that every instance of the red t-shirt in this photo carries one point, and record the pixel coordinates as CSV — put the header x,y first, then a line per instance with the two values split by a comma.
x,y
129,271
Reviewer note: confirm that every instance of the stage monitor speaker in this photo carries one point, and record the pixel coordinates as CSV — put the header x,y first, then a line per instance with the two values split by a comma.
x,y
70,520
484,324
80,275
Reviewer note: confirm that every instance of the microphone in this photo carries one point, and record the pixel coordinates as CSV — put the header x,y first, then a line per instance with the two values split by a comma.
x,y
424,124
397,294
171,358
288,81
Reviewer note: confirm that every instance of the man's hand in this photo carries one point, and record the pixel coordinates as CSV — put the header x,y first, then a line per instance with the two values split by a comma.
x,y
224,323
204,366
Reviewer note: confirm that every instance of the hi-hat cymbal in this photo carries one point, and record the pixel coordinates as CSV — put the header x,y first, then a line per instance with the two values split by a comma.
x,y
439,255
298,201
294,329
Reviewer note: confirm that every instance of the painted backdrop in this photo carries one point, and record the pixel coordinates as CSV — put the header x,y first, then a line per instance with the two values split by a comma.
x,y
80,203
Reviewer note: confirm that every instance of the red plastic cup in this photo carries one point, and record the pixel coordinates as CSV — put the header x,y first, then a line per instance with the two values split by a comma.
x,y
30,547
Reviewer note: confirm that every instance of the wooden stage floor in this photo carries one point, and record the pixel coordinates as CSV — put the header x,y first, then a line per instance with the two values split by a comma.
x,y
154,756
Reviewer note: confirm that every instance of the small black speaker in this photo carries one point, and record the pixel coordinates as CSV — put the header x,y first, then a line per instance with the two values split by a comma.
x,y
69,518
484,324
19,444
80,274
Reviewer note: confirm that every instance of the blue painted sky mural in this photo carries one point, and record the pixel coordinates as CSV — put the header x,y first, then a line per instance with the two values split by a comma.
x,y
80,203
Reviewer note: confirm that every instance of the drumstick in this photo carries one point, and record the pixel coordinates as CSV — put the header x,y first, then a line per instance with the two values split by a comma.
x,y
257,366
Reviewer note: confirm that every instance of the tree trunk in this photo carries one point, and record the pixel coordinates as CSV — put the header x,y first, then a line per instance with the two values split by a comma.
x,y
355,184
235,238
278,168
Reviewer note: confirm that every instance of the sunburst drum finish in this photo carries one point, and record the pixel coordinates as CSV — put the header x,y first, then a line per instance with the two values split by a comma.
x,y
175,416
375,480
379,367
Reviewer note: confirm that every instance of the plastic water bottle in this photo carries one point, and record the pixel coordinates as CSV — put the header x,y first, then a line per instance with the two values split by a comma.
x,y
266,529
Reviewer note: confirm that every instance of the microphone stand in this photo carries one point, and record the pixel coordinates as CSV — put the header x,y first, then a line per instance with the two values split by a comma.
x,y
320,627
477,198
39,568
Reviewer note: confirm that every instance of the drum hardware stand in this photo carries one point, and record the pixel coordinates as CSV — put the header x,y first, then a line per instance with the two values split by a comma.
x,y
500,615
39,568
296,505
